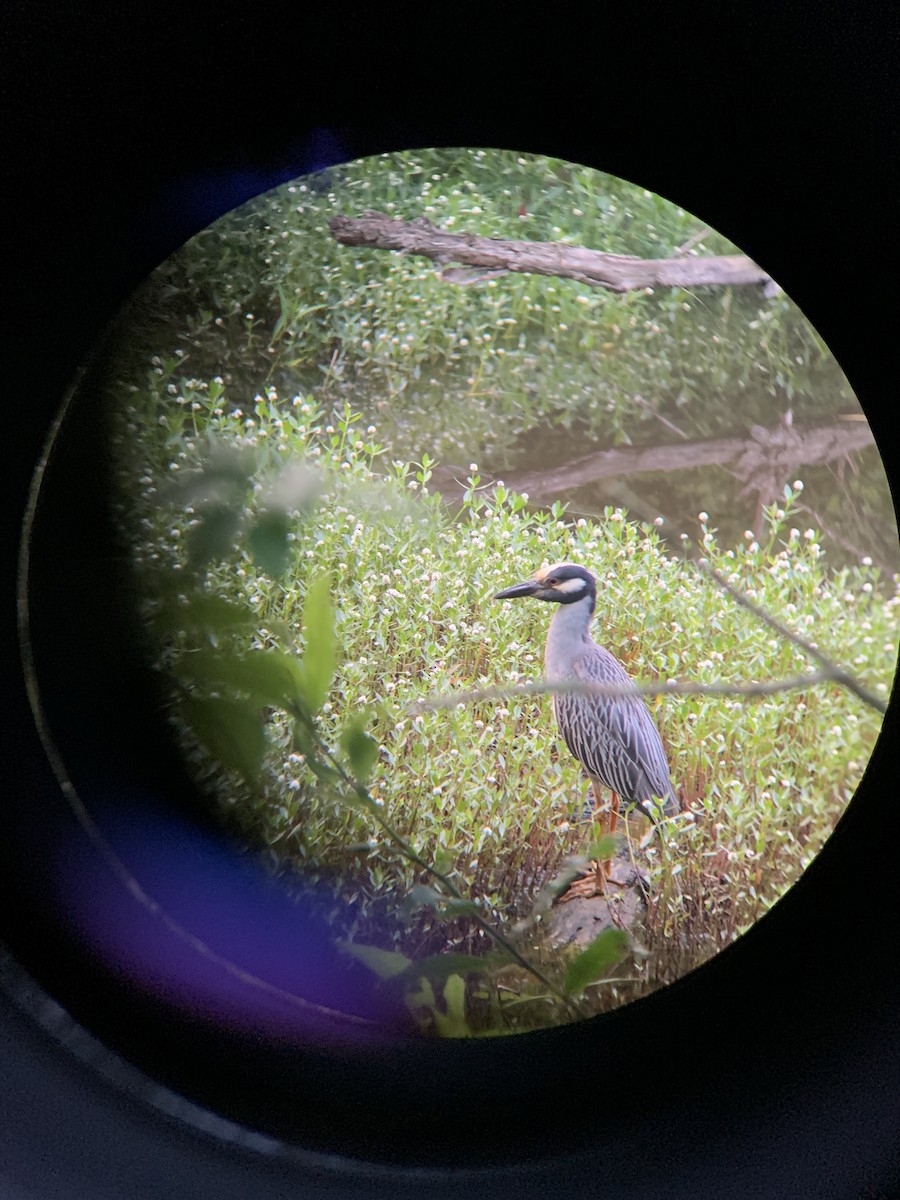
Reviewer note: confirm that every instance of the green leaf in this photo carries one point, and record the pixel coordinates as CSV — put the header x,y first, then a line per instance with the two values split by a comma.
x,y
455,995
221,480
269,677
423,998
443,860
209,614
268,542
303,740
573,867
320,658
360,747
322,770
453,1023
359,799
603,848
420,895
232,732
215,536
595,960
386,964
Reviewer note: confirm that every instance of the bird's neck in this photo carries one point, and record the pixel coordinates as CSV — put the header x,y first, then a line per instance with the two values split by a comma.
x,y
567,636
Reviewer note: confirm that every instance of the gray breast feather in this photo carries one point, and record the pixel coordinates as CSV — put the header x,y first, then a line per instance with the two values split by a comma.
x,y
613,737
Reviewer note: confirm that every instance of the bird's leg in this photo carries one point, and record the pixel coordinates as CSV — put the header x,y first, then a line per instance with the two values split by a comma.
x,y
611,828
610,818
613,813
600,809
597,882
610,821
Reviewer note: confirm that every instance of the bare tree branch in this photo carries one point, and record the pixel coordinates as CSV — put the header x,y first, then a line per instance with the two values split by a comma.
x,y
616,272
836,673
675,687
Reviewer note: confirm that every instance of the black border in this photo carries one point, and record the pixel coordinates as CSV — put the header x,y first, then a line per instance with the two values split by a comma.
x,y
773,1072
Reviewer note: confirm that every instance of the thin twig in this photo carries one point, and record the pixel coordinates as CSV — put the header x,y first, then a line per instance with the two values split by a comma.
x,y
692,241
672,687
409,853
835,673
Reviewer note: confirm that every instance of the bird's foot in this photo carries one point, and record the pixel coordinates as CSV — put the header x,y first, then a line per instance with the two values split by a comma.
x,y
596,882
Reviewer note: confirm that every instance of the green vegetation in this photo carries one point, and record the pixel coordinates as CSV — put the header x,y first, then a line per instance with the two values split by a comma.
x,y
279,405
481,791
518,369
266,296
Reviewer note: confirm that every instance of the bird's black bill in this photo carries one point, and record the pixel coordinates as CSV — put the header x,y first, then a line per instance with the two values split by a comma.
x,y
520,589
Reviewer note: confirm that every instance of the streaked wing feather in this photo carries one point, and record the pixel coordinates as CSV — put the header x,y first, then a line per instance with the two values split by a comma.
x,y
615,738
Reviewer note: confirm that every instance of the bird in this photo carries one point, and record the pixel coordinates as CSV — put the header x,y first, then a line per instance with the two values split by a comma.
x,y
613,737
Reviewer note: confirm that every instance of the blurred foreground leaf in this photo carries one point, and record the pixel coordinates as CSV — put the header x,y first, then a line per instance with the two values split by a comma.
x,y
453,1023
420,895
360,747
232,732
269,677
210,614
320,657
593,962
268,542
603,848
386,964
214,537
439,966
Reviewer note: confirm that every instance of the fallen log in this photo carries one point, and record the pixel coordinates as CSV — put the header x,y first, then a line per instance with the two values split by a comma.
x,y
764,453
494,256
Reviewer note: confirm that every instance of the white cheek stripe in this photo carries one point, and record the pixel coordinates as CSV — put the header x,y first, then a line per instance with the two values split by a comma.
x,y
572,585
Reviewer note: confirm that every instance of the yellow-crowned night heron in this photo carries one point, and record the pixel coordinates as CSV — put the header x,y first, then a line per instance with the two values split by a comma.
x,y
613,737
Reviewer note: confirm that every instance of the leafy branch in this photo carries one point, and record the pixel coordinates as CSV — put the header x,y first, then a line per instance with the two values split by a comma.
x,y
232,732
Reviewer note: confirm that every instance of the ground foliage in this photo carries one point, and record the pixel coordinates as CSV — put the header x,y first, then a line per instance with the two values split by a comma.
x,y
260,511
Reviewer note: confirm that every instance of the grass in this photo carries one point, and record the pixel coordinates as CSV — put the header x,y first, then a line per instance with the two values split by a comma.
x,y
484,790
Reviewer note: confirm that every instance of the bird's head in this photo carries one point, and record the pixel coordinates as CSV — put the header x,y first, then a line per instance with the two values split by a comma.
x,y
564,583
